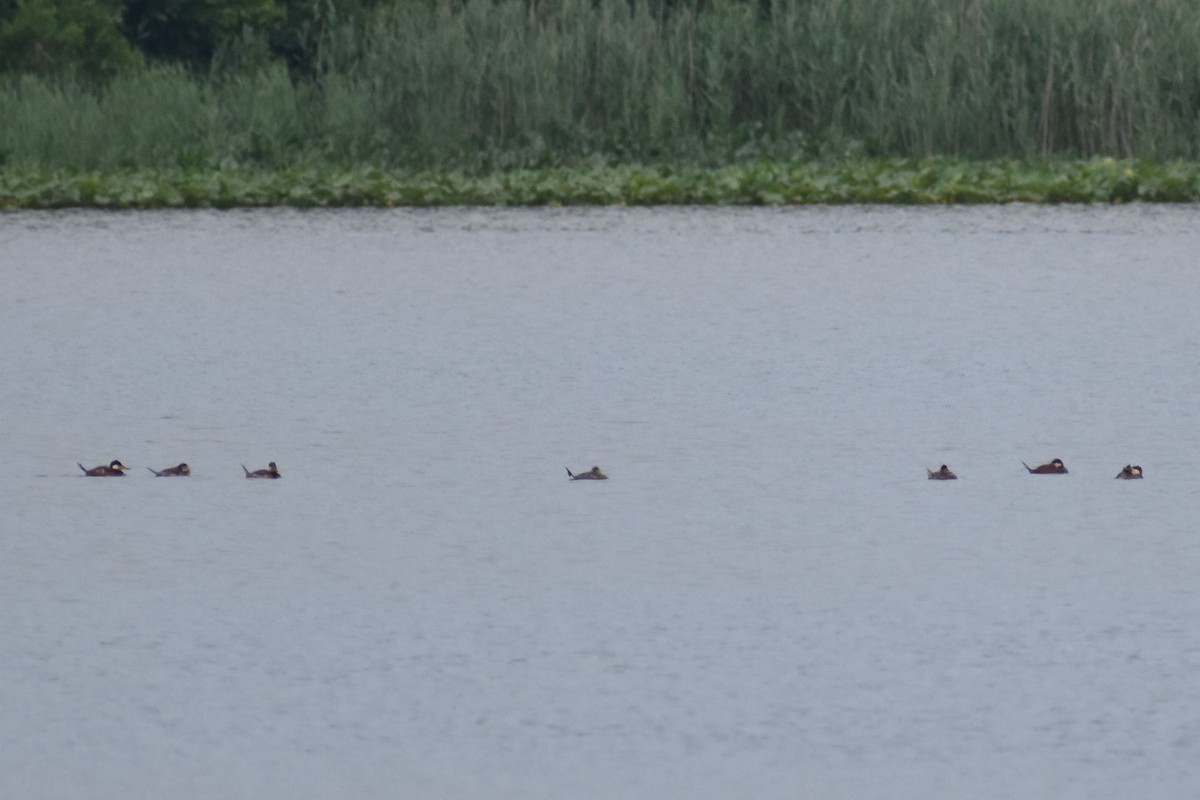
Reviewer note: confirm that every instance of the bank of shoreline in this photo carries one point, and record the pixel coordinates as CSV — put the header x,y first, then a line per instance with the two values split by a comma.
x,y
851,181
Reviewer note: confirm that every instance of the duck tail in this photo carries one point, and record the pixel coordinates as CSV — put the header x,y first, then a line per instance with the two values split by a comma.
x,y
568,469
1026,466
154,471
82,467
245,470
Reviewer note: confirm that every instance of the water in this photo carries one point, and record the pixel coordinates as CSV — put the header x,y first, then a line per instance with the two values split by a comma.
x,y
767,599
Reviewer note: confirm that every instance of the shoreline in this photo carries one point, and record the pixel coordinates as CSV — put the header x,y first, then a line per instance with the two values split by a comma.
x,y
935,181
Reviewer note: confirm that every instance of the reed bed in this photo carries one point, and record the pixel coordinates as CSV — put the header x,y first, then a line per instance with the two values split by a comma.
x,y
544,84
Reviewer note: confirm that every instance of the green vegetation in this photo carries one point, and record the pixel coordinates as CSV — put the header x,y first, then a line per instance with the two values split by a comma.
x,y
126,103
852,181
73,38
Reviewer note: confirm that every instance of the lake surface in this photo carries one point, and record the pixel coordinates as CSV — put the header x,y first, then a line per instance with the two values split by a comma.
x,y
768,599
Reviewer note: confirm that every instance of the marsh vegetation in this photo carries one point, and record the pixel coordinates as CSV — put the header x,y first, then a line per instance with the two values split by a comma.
x,y
635,101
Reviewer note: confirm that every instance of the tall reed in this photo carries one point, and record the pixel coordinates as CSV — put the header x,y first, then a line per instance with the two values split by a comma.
x,y
551,82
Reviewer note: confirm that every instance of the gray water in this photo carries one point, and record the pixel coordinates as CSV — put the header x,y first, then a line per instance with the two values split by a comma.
x,y
767,599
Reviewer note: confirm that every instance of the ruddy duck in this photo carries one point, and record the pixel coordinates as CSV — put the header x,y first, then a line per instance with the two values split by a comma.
x,y
594,474
1130,473
182,469
943,474
115,468
271,471
1055,467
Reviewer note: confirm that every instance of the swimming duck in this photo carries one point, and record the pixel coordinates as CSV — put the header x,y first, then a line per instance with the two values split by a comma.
x,y
182,469
1055,467
115,468
594,474
943,474
271,471
1130,473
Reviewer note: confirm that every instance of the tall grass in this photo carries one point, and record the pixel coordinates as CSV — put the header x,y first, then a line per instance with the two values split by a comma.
x,y
552,82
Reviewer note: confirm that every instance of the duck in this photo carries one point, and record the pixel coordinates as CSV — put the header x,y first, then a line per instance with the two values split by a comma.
x,y
114,469
271,471
182,469
593,474
1055,467
943,474
1130,473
